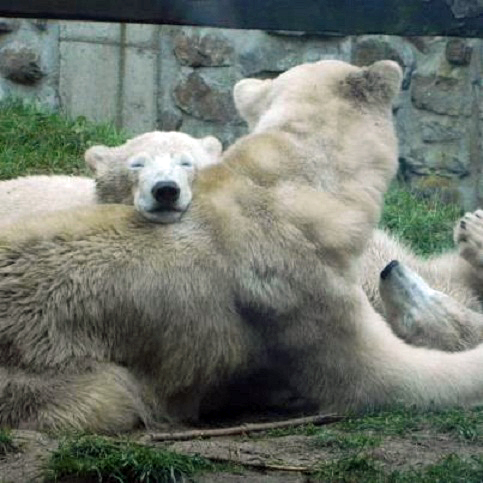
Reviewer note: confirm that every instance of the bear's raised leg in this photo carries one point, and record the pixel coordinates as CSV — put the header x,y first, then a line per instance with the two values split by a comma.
x,y
358,363
106,399
426,317
468,236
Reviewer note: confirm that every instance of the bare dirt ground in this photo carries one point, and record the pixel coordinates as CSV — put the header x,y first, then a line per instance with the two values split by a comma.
x,y
272,456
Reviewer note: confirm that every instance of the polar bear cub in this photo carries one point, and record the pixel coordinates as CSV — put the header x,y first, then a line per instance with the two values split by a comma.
x,y
161,185
176,156
154,171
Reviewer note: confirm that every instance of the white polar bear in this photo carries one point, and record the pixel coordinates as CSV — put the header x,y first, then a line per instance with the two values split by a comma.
x,y
177,157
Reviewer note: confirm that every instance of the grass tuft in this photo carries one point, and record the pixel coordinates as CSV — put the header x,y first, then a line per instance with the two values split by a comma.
x,y
451,469
92,458
425,224
363,468
303,430
7,444
464,424
355,468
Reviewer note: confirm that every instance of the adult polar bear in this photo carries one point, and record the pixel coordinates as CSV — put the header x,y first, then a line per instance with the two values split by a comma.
x,y
108,320
462,269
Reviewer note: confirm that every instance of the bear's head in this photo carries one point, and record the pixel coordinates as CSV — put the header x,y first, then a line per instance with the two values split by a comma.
x,y
263,102
339,114
154,171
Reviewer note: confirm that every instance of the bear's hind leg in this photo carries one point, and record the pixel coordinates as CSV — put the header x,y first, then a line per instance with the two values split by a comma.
x,y
106,399
426,317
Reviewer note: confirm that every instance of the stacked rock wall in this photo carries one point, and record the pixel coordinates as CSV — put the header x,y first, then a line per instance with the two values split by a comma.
x,y
145,77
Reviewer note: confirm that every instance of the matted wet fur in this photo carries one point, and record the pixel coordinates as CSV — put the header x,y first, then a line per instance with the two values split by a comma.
x,y
108,321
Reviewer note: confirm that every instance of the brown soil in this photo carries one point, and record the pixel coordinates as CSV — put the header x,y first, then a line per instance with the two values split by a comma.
x,y
260,457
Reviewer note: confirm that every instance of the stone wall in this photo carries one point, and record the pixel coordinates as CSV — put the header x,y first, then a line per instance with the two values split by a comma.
x,y
145,77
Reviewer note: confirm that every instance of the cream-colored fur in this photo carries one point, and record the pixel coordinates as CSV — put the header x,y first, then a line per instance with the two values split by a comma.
x,y
458,274
427,317
116,182
107,320
449,273
34,195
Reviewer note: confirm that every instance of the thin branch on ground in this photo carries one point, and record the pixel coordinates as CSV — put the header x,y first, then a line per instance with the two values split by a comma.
x,y
317,420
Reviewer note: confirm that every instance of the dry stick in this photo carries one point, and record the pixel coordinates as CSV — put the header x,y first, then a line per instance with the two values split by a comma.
x,y
260,466
244,428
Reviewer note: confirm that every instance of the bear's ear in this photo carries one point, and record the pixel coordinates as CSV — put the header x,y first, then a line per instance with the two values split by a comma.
x,y
97,158
379,82
250,97
212,146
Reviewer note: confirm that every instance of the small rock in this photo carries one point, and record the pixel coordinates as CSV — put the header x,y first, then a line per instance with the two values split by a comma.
x,y
210,50
8,25
441,95
443,161
370,50
433,186
40,24
437,132
203,101
458,52
169,120
20,63
419,42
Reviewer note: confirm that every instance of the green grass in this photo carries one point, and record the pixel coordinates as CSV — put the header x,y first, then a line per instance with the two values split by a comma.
x,y
426,224
463,424
451,469
305,430
93,458
363,468
355,468
7,444
33,141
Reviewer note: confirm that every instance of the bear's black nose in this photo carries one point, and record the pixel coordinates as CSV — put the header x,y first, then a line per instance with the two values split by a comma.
x,y
166,192
387,270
